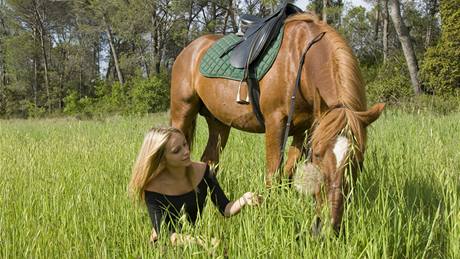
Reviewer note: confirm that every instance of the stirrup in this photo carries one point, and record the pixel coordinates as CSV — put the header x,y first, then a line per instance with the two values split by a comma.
x,y
238,98
240,32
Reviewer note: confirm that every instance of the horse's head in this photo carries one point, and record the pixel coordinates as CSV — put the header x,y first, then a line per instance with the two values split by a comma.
x,y
337,153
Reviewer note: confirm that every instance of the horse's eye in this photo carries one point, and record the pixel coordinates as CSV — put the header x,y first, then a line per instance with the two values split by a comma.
x,y
317,156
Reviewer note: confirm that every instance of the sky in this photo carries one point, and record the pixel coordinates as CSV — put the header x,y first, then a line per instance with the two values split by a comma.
x,y
303,3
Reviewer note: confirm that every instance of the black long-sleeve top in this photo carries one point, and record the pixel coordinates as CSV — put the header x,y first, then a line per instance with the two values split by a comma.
x,y
167,207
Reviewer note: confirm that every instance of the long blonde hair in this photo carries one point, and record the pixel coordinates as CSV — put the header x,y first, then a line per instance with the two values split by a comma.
x,y
149,161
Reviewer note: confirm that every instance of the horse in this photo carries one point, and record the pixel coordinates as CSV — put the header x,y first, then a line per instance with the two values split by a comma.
x,y
330,115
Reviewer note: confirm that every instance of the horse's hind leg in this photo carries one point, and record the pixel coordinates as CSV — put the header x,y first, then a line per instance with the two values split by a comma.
x,y
218,136
183,117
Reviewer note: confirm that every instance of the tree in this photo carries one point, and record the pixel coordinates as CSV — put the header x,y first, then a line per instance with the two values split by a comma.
x,y
440,69
385,30
408,50
356,28
3,34
432,7
102,13
32,14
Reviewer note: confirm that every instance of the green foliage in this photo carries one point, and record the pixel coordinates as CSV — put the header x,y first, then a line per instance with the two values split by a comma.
x,y
391,83
149,95
34,111
434,104
357,29
440,69
72,103
137,96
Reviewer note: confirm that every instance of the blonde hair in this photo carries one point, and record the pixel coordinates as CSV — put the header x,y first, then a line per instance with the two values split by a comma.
x,y
149,161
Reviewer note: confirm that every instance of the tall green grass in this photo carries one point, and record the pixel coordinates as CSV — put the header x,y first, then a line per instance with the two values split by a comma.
x,y
63,194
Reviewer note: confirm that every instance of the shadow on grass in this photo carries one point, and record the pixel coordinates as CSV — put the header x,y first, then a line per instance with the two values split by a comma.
x,y
416,204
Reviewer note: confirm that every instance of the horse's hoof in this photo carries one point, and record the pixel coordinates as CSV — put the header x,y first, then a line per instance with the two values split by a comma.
x,y
316,227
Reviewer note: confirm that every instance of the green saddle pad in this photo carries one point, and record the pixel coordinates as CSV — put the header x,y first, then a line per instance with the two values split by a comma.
x,y
213,65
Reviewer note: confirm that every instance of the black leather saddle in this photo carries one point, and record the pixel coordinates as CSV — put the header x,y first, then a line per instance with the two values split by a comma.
x,y
259,33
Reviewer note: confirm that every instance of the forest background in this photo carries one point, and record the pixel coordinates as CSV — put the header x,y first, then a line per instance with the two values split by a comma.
x,y
101,57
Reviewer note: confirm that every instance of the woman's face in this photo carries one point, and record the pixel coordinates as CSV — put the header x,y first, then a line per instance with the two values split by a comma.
x,y
177,151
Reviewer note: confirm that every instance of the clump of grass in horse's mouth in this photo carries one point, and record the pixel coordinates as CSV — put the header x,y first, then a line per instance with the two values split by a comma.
x,y
308,179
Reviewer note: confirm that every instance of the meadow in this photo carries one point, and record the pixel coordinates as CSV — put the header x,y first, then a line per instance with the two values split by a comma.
x,y
63,194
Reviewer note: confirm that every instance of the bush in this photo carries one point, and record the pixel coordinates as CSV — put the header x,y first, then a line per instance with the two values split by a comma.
x,y
151,95
440,69
72,103
437,104
138,95
34,111
391,83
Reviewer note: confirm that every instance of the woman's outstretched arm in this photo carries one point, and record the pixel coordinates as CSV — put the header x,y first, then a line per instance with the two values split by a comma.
x,y
228,208
234,207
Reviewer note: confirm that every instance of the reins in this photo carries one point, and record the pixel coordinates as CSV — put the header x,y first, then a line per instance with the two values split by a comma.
x,y
293,97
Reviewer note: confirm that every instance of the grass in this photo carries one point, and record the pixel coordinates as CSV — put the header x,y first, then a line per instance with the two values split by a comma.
x,y
63,194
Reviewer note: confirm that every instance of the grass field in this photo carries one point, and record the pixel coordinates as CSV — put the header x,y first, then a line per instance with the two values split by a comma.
x,y
63,194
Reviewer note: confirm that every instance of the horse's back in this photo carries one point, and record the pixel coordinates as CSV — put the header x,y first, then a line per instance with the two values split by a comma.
x,y
193,53
187,66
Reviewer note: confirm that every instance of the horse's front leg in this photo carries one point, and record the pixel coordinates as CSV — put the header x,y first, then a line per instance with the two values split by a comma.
x,y
296,150
274,126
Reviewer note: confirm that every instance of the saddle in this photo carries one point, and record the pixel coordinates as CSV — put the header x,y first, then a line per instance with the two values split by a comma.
x,y
258,34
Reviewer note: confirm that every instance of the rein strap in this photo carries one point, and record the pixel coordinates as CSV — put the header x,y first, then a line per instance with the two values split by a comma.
x,y
293,96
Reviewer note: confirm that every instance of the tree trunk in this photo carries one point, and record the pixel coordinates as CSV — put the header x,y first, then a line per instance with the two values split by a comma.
x,y
432,10
41,31
385,31
80,78
45,67
96,73
2,73
324,11
409,54
2,58
35,82
377,21
233,7
154,39
227,13
114,51
155,51
213,20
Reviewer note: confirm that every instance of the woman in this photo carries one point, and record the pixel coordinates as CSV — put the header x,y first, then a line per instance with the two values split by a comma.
x,y
167,180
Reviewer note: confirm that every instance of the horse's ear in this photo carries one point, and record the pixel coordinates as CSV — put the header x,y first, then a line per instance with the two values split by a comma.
x,y
371,115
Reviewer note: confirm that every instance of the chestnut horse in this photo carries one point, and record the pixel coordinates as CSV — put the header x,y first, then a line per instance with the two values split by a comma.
x,y
331,103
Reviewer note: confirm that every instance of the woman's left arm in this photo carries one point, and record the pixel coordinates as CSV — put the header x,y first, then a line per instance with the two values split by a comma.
x,y
248,198
228,208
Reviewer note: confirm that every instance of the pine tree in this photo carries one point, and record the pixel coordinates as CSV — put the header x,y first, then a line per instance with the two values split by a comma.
x,y
440,70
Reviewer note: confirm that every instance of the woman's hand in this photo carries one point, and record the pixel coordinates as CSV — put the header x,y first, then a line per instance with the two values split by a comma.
x,y
248,198
153,236
252,199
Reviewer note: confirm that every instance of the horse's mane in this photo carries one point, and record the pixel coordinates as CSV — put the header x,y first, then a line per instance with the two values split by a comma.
x,y
342,121
349,83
